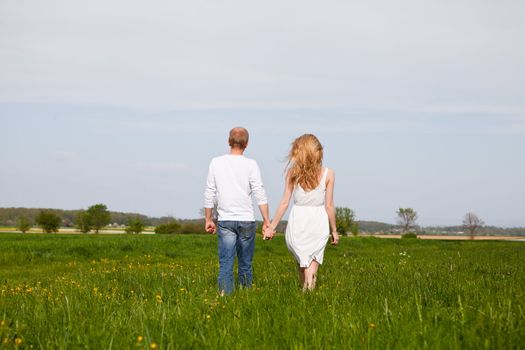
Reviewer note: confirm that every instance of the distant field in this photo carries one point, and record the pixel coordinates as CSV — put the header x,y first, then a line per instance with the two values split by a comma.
x,y
461,238
150,291
71,230
151,230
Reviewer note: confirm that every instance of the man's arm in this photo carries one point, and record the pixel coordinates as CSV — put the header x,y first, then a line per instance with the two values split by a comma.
x,y
209,199
210,225
265,212
259,194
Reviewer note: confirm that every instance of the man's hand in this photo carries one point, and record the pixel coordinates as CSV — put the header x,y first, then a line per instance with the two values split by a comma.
x,y
210,227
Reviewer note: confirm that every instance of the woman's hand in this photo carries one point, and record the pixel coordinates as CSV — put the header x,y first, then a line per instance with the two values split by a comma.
x,y
335,238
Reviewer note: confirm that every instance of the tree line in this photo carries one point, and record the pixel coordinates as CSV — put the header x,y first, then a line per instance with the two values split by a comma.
x,y
9,216
97,217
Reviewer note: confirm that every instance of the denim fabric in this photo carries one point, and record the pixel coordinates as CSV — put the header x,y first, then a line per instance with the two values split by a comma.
x,y
235,238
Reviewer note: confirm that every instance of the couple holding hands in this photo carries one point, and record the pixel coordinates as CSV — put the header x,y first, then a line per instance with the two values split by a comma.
x,y
232,181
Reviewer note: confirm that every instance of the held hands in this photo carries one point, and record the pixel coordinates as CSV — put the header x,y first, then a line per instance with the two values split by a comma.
x,y
268,232
335,238
210,227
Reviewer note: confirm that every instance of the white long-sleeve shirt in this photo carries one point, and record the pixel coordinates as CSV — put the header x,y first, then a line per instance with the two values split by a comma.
x,y
232,181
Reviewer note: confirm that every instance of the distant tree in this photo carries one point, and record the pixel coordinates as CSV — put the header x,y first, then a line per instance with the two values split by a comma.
x,y
23,224
472,223
169,228
406,217
99,216
135,225
83,221
345,221
48,221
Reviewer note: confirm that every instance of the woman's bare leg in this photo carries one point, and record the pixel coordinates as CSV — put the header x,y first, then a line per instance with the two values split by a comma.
x,y
310,274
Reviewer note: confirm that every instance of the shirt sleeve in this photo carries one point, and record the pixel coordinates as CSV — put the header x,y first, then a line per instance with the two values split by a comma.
x,y
257,186
211,189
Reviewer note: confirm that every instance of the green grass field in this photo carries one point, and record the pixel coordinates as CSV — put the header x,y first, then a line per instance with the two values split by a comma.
x,y
147,292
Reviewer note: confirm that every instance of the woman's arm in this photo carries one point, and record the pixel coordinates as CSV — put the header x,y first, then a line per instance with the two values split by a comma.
x,y
329,205
283,207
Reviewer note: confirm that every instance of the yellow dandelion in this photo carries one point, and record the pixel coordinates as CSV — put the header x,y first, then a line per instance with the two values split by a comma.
x,y
154,346
158,297
140,339
18,341
2,323
182,289
371,325
208,317
95,290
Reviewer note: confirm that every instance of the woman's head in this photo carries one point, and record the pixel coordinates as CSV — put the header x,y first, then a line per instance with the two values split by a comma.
x,y
305,161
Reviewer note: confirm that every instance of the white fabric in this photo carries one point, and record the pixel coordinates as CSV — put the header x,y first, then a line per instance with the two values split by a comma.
x,y
232,181
308,227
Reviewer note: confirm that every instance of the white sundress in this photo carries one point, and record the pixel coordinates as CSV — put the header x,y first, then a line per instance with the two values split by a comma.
x,y
308,228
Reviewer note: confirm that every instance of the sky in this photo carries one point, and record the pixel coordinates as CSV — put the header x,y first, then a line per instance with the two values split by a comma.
x,y
418,104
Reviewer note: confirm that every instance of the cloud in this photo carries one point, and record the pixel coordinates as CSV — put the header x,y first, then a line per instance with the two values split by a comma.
x,y
237,54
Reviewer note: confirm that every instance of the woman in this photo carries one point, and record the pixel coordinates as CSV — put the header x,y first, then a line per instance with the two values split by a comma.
x,y
313,215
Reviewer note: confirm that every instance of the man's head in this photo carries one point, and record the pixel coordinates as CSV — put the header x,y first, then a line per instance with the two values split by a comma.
x,y
238,138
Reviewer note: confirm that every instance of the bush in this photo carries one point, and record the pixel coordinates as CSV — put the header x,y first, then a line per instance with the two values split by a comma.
x,y
193,227
23,224
354,229
49,221
409,236
99,216
169,228
345,219
135,225
83,221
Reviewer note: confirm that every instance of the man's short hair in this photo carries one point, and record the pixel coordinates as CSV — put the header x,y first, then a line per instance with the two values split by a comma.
x,y
239,137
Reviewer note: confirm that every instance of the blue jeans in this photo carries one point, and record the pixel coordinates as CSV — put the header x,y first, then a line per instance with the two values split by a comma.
x,y
235,238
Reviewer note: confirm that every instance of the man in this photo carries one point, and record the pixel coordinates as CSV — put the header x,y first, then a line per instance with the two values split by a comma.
x,y
232,181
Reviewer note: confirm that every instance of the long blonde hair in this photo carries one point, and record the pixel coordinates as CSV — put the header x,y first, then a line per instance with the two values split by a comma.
x,y
305,162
